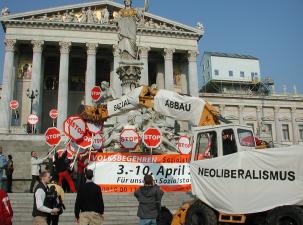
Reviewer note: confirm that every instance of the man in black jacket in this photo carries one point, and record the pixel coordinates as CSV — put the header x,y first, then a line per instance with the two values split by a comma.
x,y
149,197
89,206
41,207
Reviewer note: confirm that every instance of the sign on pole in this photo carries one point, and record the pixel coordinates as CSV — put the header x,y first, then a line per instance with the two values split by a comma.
x,y
52,136
14,104
129,139
98,142
152,137
184,145
93,128
86,142
33,119
96,93
53,114
74,127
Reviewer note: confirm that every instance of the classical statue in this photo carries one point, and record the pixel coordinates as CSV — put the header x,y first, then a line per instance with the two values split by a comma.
x,y
90,15
4,12
104,16
70,17
83,17
127,23
199,26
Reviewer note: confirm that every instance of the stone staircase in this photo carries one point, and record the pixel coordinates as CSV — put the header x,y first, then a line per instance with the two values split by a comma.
x,y
119,208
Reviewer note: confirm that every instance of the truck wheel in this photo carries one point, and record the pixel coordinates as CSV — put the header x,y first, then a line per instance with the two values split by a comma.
x,y
285,215
200,214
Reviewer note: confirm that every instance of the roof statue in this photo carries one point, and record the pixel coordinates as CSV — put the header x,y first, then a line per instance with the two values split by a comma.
x,y
127,29
4,12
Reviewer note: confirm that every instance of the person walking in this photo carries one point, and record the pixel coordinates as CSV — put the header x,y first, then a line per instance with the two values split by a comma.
x,y
61,165
6,211
35,167
41,208
9,170
3,163
56,201
149,197
89,206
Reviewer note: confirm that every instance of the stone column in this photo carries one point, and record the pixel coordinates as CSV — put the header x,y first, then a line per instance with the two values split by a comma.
x,y
169,69
115,82
90,78
36,81
241,109
144,59
277,125
184,84
259,120
7,85
294,126
160,80
193,73
221,108
63,83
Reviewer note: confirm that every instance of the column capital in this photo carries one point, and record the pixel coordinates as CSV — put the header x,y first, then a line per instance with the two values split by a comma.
x,y
293,109
10,45
276,109
92,48
37,46
116,51
259,108
65,47
192,56
169,53
144,51
241,107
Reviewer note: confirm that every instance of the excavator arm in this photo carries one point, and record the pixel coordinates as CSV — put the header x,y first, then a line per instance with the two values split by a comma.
x,y
100,113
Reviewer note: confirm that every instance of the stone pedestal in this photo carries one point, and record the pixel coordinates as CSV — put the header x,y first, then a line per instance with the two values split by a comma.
x,y
130,75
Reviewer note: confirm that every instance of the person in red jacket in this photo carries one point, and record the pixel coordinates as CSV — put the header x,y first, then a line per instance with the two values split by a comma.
x,y
62,166
6,211
81,164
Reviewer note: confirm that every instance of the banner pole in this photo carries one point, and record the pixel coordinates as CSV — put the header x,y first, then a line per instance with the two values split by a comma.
x,y
72,165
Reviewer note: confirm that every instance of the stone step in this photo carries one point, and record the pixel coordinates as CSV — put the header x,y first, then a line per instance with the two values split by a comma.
x,y
119,208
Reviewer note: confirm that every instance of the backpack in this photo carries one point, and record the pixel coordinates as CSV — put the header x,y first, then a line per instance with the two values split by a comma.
x,y
165,217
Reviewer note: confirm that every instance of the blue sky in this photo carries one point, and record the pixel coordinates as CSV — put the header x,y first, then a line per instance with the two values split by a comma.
x,y
271,30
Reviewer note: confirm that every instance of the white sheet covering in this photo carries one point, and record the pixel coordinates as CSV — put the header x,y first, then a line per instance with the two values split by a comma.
x,y
250,181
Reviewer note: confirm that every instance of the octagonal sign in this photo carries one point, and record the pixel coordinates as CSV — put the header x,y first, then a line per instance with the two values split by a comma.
x,y
14,104
98,142
93,128
129,139
74,127
86,141
96,93
52,136
33,119
152,137
184,145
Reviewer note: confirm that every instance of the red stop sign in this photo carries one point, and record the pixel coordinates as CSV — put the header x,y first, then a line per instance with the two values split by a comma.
x,y
53,113
152,137
74,127
129,139
52,136
184,145
96,93
86,142
14,104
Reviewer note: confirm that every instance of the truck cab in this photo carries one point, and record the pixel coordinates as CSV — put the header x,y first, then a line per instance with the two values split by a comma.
x,y
220,140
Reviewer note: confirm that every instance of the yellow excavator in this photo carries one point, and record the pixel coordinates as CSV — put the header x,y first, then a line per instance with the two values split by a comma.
x,y
240,137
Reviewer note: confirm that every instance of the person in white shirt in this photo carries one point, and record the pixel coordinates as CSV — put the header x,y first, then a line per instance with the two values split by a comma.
x,y
35,165
41,208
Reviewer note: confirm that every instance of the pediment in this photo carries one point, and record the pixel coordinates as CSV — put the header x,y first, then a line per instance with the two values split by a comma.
x,y
100,13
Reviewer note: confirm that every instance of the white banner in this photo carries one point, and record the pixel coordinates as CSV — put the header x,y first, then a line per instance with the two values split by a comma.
x,y
251,181
179,107
125,103
125,172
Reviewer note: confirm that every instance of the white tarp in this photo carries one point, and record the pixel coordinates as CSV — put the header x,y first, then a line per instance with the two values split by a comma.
x,y
125,103
250,181
179,107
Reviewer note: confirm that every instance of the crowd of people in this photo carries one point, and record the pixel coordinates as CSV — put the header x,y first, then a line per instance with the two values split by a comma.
x,y
48,190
